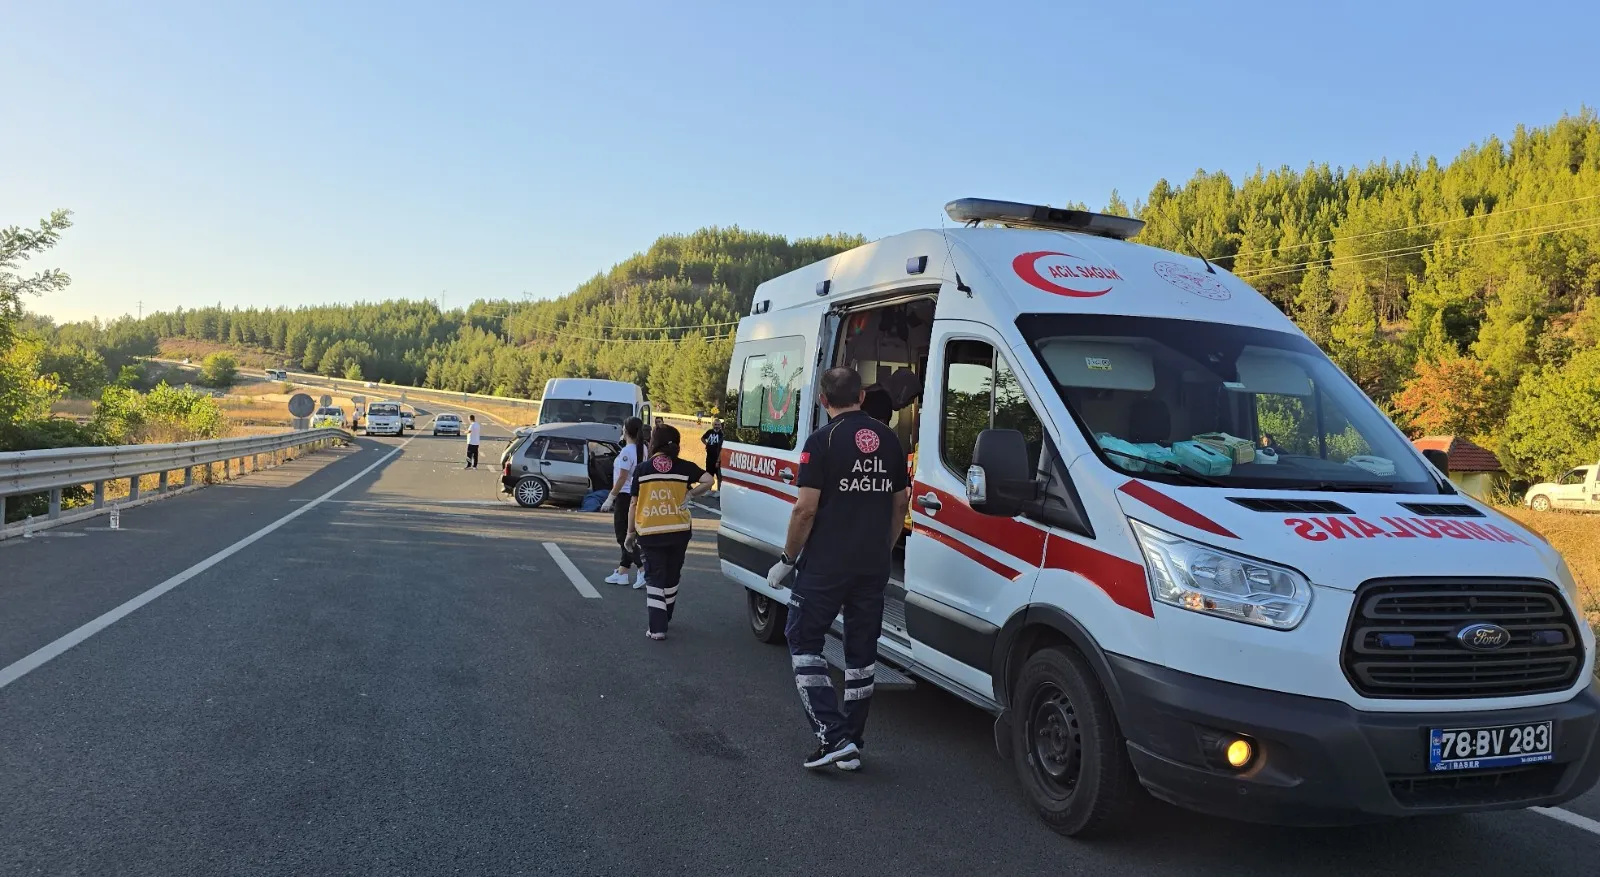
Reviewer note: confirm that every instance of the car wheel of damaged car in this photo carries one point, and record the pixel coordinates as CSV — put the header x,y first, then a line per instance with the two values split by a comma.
x,y
531,492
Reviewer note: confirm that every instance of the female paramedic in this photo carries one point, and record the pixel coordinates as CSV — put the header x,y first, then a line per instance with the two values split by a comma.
x,y
661,525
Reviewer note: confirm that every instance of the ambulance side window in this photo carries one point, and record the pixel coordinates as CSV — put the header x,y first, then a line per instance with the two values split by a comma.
x,y
964,407
764,392
981,391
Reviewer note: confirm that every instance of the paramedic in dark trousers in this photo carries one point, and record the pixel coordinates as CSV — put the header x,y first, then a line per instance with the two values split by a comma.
x,y
844,527
712,439
661,526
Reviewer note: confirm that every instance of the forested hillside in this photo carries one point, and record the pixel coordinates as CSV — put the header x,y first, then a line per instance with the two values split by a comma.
x,y
1461,294
662,318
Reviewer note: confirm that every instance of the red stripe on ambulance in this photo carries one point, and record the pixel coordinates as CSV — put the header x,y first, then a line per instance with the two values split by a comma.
x,y
1173,509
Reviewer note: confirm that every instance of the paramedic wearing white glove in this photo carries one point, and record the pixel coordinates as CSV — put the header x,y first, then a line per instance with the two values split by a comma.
x,y
849,515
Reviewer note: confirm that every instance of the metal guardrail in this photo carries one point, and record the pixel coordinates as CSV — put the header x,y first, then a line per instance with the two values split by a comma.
x,y
53,470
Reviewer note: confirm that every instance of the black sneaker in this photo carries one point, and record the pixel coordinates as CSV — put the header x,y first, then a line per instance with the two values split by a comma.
x,y
827,754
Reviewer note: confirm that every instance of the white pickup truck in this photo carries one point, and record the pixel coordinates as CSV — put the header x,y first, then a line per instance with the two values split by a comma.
x,y
1578,489
383,418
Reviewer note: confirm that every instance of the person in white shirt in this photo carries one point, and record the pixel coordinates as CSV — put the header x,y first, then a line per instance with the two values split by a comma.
x,y
621,500
474,436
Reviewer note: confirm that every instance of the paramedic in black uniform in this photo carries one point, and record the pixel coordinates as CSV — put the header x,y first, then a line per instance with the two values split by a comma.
x,y
850,512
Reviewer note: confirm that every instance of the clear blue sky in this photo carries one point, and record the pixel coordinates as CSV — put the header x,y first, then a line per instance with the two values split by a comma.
x,y
303,152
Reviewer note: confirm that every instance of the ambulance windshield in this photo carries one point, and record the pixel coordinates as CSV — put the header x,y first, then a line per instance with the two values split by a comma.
x,y
1207,403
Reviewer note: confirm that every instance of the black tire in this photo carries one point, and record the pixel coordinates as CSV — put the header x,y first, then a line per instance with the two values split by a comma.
x,y
1069,753
530,492
1540,503
767,617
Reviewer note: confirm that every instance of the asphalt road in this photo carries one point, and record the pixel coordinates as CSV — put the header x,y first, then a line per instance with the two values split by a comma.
x,y
401,680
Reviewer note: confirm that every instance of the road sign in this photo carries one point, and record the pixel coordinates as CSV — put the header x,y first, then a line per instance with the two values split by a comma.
x,y
300,405
327,400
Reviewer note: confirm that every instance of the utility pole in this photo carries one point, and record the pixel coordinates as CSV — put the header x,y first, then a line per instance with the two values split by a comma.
x,y
141,308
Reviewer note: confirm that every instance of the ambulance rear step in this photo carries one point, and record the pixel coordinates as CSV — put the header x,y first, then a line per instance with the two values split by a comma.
x,y
886,678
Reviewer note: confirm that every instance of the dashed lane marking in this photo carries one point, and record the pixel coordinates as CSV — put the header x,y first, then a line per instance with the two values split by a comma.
x,y
573,575
1590,825
34,660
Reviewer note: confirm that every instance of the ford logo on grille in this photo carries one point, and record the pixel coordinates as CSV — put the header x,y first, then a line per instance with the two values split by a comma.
x,y
1483,637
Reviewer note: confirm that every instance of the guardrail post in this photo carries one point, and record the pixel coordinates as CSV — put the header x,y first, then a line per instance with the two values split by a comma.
x,y
55,503
133,488
99,494
162,487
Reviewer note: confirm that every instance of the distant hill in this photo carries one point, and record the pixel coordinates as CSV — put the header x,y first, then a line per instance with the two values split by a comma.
x,y
662,318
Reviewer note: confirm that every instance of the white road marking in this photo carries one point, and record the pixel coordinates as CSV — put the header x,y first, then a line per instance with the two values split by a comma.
x,y
1590,825
577,579
33,661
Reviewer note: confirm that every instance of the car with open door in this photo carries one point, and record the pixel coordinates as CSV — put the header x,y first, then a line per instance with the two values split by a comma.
x,y
558,462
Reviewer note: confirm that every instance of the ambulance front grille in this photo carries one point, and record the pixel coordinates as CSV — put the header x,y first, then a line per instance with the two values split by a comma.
x,y
1402,640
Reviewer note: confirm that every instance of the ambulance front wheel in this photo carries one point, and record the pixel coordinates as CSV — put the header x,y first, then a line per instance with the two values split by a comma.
x,y
1068,751
767,617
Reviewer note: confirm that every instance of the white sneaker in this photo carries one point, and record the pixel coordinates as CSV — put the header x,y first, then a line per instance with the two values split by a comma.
x,y
617,578
637,583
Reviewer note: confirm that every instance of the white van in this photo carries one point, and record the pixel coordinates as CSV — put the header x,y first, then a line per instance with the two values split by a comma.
x,y
1161,537
590,400
384,418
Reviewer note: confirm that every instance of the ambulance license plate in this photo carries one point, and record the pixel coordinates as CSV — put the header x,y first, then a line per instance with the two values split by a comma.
x,y
1483,748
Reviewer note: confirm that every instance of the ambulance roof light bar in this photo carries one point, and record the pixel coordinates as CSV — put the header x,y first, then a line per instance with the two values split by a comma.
x,y
1016,214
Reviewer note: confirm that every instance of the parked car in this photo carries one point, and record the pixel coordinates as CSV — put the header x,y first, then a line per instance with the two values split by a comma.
x,y
447,424
408,418
329,416
1578,490
559,462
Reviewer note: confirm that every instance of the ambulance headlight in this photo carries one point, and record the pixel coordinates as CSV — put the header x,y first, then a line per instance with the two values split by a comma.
x,y
1201,578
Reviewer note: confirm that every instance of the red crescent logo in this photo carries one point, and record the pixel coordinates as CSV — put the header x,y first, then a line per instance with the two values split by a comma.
x,y
1067,266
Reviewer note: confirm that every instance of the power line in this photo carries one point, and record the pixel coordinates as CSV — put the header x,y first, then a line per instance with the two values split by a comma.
x,y
1369,234
1492,237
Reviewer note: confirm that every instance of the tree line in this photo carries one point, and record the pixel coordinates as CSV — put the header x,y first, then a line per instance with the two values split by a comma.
x,y
1460,295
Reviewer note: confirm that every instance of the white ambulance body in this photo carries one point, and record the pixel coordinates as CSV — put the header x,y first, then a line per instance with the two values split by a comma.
x,y
1292,619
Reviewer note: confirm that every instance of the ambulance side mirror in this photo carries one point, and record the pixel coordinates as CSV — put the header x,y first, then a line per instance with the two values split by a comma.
x,y
999,483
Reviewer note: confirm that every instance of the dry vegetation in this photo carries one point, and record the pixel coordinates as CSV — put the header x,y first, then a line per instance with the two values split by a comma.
x,y
1577,536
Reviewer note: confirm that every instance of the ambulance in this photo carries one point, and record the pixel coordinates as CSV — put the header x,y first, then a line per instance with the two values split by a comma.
x,y
1161,537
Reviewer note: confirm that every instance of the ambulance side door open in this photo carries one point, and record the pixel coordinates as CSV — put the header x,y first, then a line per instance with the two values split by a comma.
x,y
765,425
966,572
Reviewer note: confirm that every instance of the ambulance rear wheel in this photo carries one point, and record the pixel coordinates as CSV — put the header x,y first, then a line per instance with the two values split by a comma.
x,y
1069,753
767,617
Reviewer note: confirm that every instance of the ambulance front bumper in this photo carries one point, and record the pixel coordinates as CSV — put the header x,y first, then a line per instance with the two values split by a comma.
x,y
1321,762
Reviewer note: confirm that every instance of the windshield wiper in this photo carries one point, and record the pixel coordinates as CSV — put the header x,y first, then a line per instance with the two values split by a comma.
x,y
1170,467
1348,487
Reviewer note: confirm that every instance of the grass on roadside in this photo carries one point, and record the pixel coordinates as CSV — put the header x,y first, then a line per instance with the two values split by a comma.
x,y
1577,536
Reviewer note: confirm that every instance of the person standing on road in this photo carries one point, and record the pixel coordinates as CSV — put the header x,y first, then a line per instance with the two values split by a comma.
x,y
620,502
474,436
712,439
661,525
845,523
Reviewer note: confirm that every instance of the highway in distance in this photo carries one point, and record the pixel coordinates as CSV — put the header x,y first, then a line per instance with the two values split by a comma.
x,y
368,661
